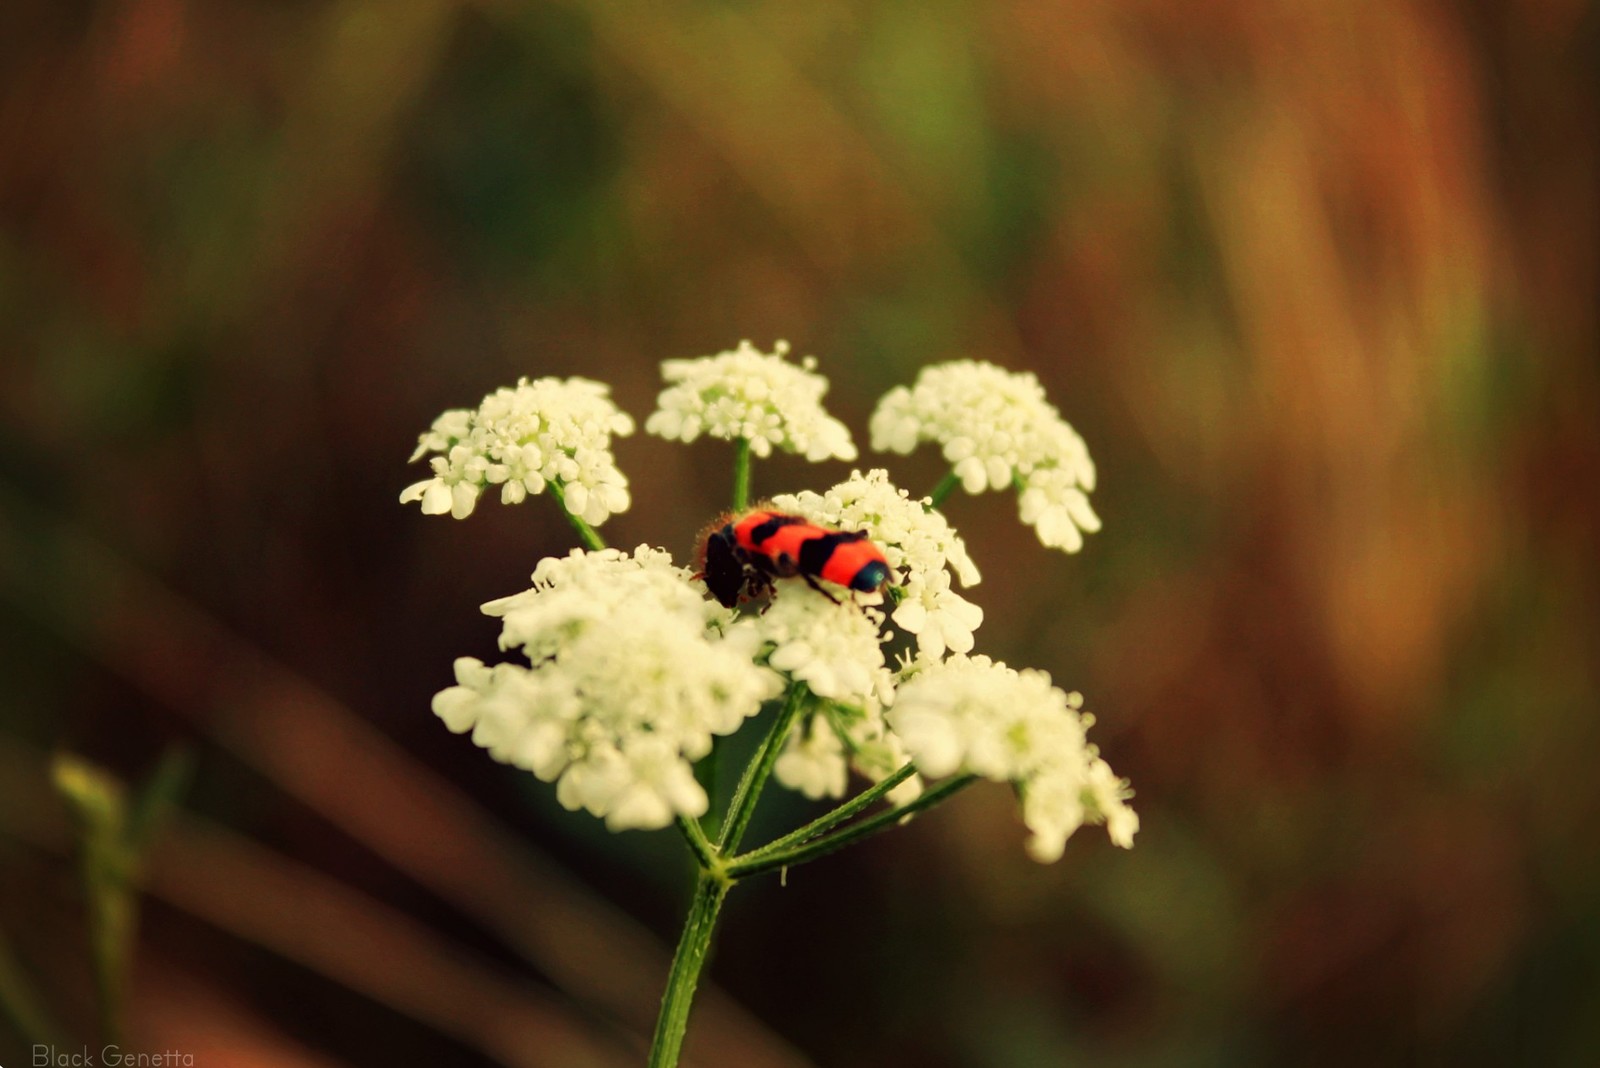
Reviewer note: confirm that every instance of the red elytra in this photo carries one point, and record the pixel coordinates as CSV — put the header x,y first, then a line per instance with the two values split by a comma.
x,y
741,555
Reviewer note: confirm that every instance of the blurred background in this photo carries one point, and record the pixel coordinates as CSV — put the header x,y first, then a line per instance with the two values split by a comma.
x,y
1315,282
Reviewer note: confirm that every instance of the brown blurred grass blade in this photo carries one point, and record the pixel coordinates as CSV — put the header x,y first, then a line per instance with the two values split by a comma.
x,y
183,1011
309,918
328,758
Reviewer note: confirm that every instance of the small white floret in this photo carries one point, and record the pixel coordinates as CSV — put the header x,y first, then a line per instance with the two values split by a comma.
x,y
747,394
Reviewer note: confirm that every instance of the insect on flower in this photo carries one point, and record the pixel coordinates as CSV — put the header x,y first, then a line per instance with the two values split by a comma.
x,y
741,555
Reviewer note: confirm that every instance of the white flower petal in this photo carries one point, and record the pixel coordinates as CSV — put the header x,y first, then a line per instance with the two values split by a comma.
x,y
437,498
463,496
911,617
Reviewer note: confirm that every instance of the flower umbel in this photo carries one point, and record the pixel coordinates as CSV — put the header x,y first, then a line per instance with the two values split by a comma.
x,y
521,439
633,671
753,396
977,715
630,671
997,429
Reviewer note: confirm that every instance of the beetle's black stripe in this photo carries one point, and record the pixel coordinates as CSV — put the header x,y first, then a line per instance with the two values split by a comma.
x,y
815,553
770,526
724,567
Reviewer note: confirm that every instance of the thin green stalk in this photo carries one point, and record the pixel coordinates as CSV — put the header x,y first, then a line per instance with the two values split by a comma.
x,y
704,852
946,486
755,864
755,775
827,822
591,537
741,474
694,946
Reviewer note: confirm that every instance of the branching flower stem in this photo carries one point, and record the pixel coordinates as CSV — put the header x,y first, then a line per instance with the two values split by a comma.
x,y
748,792
705,854
718,873
770,859
822,824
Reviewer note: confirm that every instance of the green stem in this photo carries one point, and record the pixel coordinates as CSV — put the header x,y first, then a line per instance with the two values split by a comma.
x,y
694,946
756,863
741,474
591,537
859,803
946,486
755,775
705,854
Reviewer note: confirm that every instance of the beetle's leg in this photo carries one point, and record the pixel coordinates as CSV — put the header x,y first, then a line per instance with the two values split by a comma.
x,y
813,584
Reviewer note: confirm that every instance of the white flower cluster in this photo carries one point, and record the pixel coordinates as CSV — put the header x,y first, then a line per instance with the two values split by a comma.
x,y
918,542
756,396
522,438
633,670
975,715
834,647
822,750
998,430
